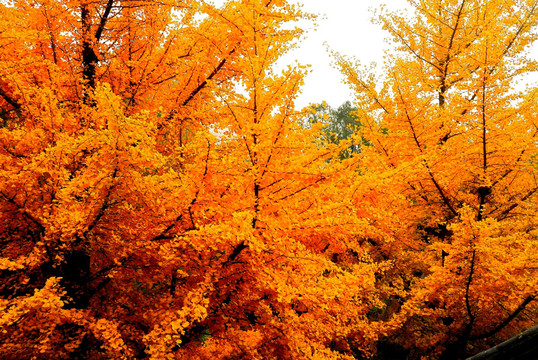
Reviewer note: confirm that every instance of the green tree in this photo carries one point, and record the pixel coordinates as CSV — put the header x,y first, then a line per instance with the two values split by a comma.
x,y
340,126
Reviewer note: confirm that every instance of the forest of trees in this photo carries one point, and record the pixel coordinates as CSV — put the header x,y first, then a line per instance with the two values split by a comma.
x,y
161,197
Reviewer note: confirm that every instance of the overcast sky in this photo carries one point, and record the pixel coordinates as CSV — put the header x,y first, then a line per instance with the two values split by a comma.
x,y
346,27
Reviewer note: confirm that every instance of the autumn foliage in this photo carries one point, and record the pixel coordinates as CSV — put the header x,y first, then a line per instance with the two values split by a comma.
x,y
162,198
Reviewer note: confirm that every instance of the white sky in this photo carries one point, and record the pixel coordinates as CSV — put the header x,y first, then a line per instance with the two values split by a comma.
x,y
346,27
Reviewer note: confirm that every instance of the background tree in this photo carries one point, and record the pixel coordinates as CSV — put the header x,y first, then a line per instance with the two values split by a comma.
x,y
453,144
339,125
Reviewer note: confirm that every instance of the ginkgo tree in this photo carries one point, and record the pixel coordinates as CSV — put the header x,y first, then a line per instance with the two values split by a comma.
x,y
452,127
159,197
97,98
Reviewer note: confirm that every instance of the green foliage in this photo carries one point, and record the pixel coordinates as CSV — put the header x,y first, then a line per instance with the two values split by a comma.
x,y
342,124
204,336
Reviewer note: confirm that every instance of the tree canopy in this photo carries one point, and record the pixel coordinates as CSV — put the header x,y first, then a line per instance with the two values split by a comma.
x,y
453,140
162,198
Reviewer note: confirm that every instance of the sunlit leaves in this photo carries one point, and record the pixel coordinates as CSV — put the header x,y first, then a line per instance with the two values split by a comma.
x,y
451,138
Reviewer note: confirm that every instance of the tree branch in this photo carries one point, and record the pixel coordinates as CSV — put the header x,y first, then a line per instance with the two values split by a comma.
x,y
10,100
506,321
203,84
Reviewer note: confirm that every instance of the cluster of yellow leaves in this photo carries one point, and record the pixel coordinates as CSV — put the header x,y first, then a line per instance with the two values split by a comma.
x,y
172,325
24,336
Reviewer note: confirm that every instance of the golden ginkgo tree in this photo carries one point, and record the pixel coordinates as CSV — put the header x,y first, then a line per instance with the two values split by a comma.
x,y
452,127
159,197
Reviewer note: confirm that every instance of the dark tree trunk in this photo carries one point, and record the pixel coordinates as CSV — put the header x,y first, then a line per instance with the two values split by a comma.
x,y
89,58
